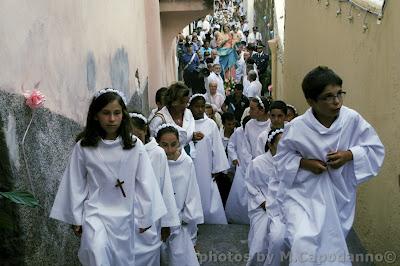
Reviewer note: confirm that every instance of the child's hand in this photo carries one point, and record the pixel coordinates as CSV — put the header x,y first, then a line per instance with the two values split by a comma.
x,y
338,158
165,232
235,162
142,230
77,230
198,136
313,165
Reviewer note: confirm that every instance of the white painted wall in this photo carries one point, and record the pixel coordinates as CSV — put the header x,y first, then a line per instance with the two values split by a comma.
x,y
53,41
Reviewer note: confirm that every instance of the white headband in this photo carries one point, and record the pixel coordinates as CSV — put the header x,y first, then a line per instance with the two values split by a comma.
x,y
97,94
260,101
196,95
275,132
292,106
165,126
140,116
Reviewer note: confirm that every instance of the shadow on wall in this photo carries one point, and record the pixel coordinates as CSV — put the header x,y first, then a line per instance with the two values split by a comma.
x,y
119,71
91,73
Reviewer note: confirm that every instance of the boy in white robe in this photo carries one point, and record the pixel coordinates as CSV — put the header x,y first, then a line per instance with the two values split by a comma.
x,y
266,235
147,245
322,157
107,184
210,160
236,204
179,244
259,107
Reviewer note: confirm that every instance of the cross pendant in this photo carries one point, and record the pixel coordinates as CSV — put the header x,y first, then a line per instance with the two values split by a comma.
x,y
119,184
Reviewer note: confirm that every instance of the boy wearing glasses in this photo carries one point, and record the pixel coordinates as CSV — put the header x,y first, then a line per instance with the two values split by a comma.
x,y
322,157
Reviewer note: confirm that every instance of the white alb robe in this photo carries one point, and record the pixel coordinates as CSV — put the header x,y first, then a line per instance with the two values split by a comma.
x,y
319,209
252,131
266,235
210,159
147,244
87,196
236,204
179,244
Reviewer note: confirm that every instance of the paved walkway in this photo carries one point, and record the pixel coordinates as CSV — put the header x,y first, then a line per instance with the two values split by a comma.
x,y
226,245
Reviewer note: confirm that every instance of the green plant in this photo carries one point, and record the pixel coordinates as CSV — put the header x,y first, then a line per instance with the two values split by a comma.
x,y
18,197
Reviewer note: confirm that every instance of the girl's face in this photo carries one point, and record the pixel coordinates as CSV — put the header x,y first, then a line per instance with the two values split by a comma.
x,y
110,118
290,115
198,108
170,143
255,112
141,134
277,117
274,146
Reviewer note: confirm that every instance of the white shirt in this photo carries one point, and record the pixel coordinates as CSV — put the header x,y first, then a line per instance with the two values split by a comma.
x,y
217,99
254,89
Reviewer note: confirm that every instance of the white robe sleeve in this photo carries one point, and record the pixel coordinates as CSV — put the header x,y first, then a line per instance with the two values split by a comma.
x,y
255,196
288,160
368,154
219,161
172,217
232,146
149,203
73,190
192,211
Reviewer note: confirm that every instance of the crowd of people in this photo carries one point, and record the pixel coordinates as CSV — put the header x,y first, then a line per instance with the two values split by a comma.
x,y
223,49
136,187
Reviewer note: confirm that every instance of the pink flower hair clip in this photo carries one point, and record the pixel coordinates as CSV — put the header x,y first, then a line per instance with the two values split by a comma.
x,y
34,99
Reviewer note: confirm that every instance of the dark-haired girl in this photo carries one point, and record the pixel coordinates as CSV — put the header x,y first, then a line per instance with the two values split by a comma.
x,y
108,171
147,245
210,160
266,233
259,107
180,245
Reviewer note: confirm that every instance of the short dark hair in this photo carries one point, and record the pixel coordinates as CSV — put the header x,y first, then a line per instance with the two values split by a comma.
x,y
239,86
225,117
316,81
176,91
281,105
160,95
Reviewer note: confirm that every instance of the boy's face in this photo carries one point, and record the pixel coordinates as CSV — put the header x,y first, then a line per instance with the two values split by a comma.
x,y
277,117
230,125
328,103
209,112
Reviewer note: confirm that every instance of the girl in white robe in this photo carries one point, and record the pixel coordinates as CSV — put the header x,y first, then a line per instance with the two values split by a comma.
x,y
210,160
108,172
321,168
260,122
266,235
147,245
179,245
277,115
236,205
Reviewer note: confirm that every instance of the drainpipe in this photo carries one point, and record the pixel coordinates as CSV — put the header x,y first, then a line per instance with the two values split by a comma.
x,y
273,46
